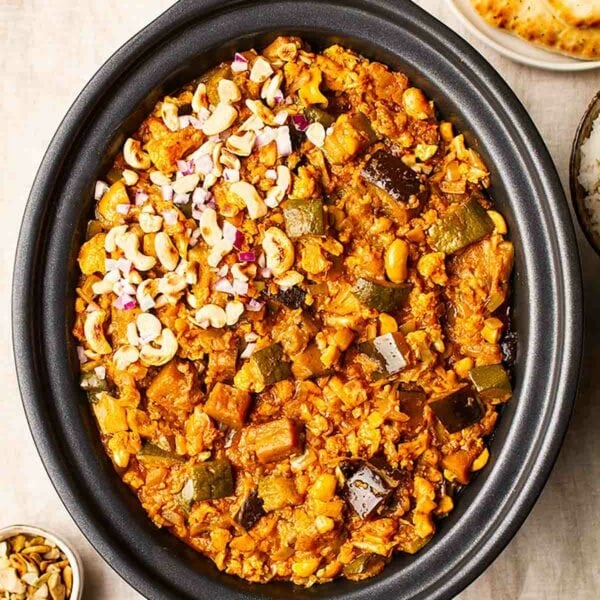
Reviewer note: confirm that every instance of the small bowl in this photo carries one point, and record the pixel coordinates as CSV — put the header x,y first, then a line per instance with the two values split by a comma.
x,y
578,193
72,556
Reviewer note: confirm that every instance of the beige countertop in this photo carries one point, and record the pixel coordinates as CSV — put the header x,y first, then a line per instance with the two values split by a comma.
x,y
48,51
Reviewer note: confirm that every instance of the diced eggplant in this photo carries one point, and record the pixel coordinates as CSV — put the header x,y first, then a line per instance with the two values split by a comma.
x,y
458,409
228,405
365,489
271,364
492,383
318,115
114,175
277,492
293,297
460,228
389,173
363,566
276,440
151,453
308,364
389,351
304,217
381,295
412,404
250,511
209,480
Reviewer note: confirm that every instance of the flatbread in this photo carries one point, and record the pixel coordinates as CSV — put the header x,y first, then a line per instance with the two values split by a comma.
x,y
577,13
536,22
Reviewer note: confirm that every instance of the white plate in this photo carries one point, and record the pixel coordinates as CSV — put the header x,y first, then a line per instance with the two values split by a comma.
x,y
514,47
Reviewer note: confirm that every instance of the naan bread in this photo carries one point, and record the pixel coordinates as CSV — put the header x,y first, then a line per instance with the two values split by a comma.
x,y
535,21
578,13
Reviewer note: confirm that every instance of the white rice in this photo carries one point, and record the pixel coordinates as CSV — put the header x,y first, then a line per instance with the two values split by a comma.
x,y
589,175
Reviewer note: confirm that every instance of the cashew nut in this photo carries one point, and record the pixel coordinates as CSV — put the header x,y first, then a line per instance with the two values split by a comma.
x,y
261,111
170,115
148,327
252,123
241,144
200,99
125,356
229,160
228,91
171,284
165,251
233,311
212,314
93,329
290,279
238,273
159,178
274,196
146,292
221,119
130,245
251,198
315,133
110,242
284,177
209,227
150,223
134,155
186,184
270,89
218,251
261,70
130,177
279,251
216,159
106,285
160,354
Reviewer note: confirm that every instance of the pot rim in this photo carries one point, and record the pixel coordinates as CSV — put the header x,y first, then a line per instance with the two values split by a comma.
x,y
509,513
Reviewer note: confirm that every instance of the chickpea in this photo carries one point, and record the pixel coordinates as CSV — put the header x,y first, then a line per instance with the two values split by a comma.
x,y
416,104
396,258
324,487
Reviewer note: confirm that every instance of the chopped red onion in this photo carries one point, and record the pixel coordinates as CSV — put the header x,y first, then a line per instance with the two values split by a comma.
x,y
123,209
224,285
141,198
248,350
128,288
211,204
240,287
262,261
167,192
240,63
100,189
266,273
254,305
284,142
100,372
204,164
246,257
271,174
281,117
123,265
266,136
146,303
110,264
184,121
231,175
80,355
233,235
223,271
251,337
124,302
181,198
170,217
186,167
300,122
200,196
203,115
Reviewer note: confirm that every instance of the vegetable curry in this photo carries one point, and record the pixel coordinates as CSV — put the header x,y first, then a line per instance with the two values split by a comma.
x,y
289,314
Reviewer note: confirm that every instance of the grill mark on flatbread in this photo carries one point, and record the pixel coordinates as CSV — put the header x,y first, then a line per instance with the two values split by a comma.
x,y
536,22
577,13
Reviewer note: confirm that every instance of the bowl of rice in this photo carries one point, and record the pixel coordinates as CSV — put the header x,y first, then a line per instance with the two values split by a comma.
x,y
585,173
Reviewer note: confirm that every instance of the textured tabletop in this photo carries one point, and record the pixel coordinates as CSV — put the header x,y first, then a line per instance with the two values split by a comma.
x,y
48,51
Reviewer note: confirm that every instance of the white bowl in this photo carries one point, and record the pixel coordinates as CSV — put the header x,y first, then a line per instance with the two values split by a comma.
x,y
72,556
513,46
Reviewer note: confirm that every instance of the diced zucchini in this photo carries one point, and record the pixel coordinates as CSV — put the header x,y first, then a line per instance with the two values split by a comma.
x,y
228,405
389,351
93,385
271,364
276,440
458,409
304,217
492,383
309,364
293,297
460,228
208,481
381,295
318,115
151,453
277,492
364,565
389,173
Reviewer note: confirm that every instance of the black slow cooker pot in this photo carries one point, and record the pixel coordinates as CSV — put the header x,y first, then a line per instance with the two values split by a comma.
x,y
189,38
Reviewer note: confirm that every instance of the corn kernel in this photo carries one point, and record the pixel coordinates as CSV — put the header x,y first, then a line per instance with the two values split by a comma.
x,y
463,366
387,324
445,505
305,567
324,487
324,524
499,222
343,338
446,131
481,460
